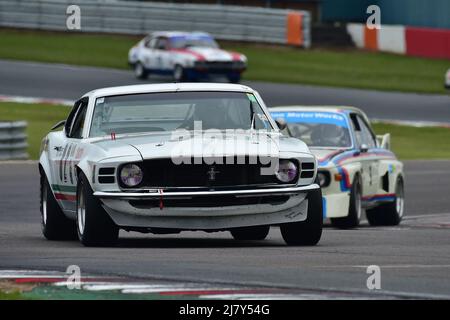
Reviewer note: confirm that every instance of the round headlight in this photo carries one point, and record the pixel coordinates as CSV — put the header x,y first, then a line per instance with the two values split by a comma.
x,y
131,175
287,171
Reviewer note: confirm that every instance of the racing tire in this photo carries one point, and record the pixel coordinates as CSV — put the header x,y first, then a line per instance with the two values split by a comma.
x,y
95,227
308,232
250,233
355,208
179,74
55,225
389,214
139,71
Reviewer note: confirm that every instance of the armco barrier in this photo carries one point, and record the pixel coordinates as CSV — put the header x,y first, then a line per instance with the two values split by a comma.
x,y
420,42
131,17
13,140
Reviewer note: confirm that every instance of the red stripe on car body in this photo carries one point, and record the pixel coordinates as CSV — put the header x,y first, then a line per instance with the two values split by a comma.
x,y
199,56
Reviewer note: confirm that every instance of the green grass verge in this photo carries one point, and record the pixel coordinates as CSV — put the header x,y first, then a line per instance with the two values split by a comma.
x,y
407,142
40,118
417,143
339,68
11,295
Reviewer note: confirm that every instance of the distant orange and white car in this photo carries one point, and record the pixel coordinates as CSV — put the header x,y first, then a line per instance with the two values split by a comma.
x,y
356,169
187,56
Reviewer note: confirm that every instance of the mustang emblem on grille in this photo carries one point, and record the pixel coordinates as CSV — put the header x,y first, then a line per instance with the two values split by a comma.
x,y
212,174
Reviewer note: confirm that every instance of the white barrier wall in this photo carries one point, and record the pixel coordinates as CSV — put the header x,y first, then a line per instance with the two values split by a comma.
x,y
392,39
356,31
388,38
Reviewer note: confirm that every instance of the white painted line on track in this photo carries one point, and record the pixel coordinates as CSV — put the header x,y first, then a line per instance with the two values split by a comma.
x,y
19,162
417,124
408,266
20,274
263,296
174,289
35,100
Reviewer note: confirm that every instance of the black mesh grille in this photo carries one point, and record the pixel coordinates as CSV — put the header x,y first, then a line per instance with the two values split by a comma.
x,y
164,173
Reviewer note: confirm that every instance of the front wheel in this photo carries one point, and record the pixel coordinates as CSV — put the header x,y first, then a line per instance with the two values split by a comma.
x,y
308,232
95,227
139,71
389,214
250,233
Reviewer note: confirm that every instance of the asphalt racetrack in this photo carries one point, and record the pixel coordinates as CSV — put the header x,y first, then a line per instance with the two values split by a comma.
x,y
69,82
414,257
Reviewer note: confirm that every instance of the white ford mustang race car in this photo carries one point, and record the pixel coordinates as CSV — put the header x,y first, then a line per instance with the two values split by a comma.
x,y
356,168
185,56
164,158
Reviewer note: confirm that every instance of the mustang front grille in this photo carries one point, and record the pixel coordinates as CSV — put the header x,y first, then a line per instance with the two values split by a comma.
x,y
163,173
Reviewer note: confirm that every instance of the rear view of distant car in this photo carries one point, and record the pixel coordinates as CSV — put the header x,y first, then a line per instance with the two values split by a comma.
x,y
186,56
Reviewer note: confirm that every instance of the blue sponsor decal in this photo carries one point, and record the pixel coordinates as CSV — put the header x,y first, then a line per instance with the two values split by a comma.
x,y
312,117
324,207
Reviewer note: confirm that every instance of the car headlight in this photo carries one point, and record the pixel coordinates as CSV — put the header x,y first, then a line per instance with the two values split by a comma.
x,y
287,171
131,175
323,179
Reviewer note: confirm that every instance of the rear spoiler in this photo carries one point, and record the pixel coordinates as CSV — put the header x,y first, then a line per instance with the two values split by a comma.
x,y
384,141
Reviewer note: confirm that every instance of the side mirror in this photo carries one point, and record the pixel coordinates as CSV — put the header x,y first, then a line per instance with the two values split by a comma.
x,y
364,148
59,124
281,123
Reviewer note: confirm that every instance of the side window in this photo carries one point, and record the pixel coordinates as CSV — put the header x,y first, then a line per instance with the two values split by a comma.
x,y
356,129
149,42
78,122
161,44
367,135
363,134
71,116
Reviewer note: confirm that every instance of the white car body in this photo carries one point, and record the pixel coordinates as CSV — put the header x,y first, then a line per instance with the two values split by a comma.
x,y
164,53
377,166
64,158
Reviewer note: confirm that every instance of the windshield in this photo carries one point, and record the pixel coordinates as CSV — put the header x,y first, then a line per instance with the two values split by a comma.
x,y
182,42
317,129
153,112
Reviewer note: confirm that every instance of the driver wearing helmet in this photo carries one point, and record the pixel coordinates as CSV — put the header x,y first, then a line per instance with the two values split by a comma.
x,y
329,135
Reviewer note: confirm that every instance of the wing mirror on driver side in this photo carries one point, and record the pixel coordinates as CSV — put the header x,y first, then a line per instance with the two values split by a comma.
x,y
59,124
281,123
364,148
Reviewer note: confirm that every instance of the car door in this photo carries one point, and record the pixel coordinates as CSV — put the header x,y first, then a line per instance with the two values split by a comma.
x,y
162,54
65,153
366,143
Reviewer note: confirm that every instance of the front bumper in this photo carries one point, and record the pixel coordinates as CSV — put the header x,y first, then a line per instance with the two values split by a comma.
x,y
335,205
119,205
